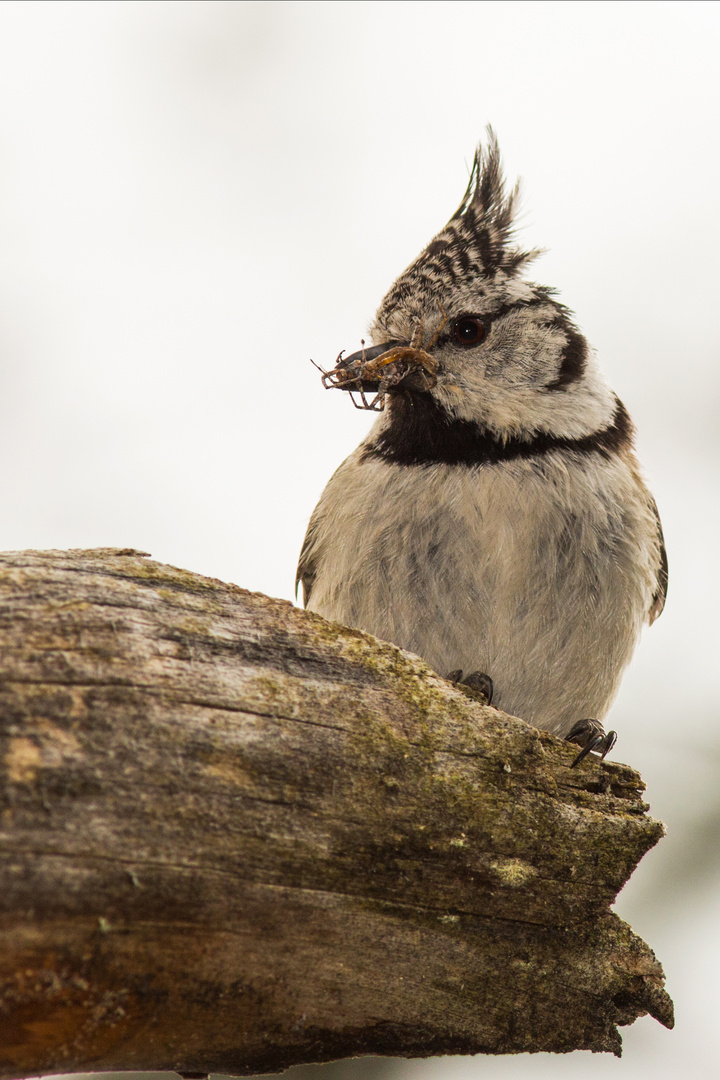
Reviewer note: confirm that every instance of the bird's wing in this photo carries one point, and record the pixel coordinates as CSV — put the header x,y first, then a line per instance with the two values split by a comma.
x,y
308,562
658,600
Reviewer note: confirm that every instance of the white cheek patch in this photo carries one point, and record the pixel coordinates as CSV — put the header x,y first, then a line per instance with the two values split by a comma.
x,y
521,358
520,352
504,391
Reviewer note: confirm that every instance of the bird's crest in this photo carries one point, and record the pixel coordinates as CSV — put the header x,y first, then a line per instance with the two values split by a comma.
x,y
475,243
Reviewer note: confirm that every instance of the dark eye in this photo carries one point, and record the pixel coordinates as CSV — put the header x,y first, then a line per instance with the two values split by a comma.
x,y
468,330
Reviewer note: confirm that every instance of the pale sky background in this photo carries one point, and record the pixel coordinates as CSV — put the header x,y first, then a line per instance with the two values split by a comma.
x,y
197,197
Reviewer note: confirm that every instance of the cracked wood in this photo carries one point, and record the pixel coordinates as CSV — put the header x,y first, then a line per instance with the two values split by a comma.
x,y
236,837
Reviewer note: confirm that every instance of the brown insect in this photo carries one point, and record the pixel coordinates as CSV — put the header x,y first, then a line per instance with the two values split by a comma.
x,y
398,364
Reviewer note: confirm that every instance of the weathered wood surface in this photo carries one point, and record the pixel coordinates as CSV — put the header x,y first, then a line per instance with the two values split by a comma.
x,y
236,837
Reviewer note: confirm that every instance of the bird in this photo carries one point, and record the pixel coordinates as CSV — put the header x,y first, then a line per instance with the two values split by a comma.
x,y
495,520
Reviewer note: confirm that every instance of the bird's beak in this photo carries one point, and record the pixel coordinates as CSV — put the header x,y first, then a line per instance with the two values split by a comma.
x,y
359,370
384,367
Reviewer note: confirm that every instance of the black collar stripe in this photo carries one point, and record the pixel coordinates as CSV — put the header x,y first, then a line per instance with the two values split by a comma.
x,y
420,432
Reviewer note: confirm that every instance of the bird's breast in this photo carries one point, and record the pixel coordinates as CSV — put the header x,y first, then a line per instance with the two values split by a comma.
x,y
527,570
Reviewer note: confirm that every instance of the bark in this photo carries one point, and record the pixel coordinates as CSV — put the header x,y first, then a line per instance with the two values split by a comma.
x,y
236,837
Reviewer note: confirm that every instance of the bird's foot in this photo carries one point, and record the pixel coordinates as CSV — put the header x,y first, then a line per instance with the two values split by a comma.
x,y
590,734
476,685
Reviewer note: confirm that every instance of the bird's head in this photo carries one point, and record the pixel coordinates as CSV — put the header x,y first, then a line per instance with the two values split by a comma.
x,y
462,330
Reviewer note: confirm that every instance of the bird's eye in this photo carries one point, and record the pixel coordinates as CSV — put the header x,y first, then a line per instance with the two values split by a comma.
x,y
469,330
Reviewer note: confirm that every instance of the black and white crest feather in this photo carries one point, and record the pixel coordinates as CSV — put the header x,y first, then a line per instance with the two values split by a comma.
x,y
476,242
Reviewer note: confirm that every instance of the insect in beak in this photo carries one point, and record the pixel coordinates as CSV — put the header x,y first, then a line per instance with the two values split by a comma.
x,y
380,369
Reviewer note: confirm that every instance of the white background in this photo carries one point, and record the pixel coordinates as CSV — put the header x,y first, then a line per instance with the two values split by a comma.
x,y
196,198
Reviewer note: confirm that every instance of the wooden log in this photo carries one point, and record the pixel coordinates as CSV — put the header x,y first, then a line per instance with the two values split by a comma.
x,y
236,837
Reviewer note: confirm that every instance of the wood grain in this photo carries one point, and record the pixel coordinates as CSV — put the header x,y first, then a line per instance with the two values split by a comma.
x,y
236,837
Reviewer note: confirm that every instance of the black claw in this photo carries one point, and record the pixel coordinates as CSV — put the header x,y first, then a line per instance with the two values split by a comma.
x,y
610,740
481,684
591,744
591,736
478,686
